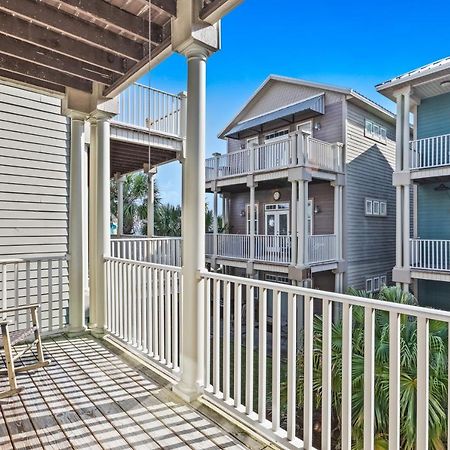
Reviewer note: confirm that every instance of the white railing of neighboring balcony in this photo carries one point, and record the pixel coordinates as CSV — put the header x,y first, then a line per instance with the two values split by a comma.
x,y
42,280
271,360
143,309
321,248
158,250
299,149
144,107
430,152
429,254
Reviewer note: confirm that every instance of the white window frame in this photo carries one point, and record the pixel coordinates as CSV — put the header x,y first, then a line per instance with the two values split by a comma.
x,y
277,209
247,218
369,285
375,207
278,135
375,131
276,278
310,218
376,284
302,124
383,280
253,140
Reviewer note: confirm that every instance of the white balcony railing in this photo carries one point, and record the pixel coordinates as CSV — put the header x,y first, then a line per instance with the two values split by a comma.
x,y
428,254
39,280
321,248
150,109
272,249
160,250
299,149
430,152
143,309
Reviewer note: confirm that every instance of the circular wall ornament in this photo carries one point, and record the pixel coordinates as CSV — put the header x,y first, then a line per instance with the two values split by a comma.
x,y
276,195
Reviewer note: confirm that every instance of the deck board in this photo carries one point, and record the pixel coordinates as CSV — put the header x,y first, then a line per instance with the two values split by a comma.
x,y
89,397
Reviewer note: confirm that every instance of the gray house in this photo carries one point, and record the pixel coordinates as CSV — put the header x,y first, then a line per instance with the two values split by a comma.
x,y
306,188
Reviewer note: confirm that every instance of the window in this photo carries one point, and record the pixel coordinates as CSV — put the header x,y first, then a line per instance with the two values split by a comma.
x,y
375,207
276,135
375,283
375,131
276,278
247,214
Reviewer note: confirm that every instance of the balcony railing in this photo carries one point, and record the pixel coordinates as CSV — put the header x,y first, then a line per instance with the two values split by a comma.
x,y
272,249
150,109
299,149
430,152
163,250
428,254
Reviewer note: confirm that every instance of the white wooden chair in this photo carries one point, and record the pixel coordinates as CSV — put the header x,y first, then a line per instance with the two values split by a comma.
x,y
10,339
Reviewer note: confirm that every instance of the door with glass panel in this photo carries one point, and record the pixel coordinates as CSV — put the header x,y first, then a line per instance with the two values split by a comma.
x,y
277,229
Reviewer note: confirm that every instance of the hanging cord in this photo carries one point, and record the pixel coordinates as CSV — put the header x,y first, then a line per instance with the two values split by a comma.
x,y
149,84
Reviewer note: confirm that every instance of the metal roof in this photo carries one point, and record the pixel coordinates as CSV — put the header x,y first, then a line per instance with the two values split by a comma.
x,y
428,69
312,106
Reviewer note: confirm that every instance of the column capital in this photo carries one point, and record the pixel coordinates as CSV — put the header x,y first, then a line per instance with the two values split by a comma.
x,y
406,90
194,49
76,115
99,115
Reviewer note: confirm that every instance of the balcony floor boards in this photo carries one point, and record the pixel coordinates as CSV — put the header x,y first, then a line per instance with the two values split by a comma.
x,y
90,398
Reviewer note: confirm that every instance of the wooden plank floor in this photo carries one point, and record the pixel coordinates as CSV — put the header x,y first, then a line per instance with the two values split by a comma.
x,y
90,398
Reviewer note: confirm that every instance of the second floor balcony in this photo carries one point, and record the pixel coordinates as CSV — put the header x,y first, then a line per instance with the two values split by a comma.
x,y
430,152
299,149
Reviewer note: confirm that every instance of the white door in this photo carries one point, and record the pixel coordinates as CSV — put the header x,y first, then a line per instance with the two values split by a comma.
x,y
276,225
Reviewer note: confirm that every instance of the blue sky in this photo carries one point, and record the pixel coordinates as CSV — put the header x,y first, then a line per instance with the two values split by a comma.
x,y
351,44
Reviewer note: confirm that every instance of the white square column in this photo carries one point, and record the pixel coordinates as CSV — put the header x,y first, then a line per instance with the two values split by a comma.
x,y
78,236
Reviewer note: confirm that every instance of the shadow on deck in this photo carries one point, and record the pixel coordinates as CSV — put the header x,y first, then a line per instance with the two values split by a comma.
x,y
90,398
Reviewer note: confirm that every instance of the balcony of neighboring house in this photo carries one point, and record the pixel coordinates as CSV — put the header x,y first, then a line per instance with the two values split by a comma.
x,y
274,158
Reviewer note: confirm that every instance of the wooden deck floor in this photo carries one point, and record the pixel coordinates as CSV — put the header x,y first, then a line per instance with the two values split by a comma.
x,y
90,398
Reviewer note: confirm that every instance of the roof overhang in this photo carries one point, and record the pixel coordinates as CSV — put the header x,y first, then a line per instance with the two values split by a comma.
x,y
287,115
59,44
424,82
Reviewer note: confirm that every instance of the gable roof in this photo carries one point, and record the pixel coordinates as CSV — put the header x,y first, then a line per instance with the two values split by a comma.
x,y
351,93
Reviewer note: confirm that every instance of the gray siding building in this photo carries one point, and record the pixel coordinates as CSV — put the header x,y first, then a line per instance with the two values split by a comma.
x,y
310,166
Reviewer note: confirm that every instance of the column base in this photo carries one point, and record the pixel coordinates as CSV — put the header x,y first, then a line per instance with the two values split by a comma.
x,y
98,332
188,394
75,331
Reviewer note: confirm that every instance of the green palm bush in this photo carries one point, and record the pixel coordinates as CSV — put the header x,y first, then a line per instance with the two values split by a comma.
x,y
438,370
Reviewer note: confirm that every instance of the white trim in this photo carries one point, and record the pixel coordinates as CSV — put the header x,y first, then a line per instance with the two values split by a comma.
x,y
247,218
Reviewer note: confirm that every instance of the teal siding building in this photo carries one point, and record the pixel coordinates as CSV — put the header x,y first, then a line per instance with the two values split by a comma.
x,y
422,182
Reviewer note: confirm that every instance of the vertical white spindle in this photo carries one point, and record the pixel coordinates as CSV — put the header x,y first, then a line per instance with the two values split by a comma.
x,y
346,432
262,357
394,379
292,368
226,341
327,426
276,360
249,344
423,361
237,343
369,377
216,336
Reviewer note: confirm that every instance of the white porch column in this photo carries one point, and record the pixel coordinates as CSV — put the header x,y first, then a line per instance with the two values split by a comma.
x,y
120,183
215,221
78,236
294,236
305,224
100,217
252,220
151,203
193,223
301,230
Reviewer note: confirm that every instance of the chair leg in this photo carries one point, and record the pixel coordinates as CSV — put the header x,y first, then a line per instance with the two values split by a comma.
x,y
14,389
37,336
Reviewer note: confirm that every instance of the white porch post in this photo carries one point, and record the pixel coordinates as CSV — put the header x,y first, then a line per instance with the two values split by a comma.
x,y
193,222
294,236
151,203
215,221
78,242
406,187
100,217
302,198
120,183
252,220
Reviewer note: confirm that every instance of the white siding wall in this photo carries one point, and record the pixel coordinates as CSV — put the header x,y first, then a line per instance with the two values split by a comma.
x,y
34,155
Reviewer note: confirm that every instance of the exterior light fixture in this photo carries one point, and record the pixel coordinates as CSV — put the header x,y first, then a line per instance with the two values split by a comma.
x,y
242,213
316,209
317,126
445,83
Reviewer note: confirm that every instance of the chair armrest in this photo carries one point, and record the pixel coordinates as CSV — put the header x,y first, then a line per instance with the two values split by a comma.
x,y
20,308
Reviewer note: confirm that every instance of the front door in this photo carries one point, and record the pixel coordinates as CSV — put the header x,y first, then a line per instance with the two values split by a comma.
x,y
277,225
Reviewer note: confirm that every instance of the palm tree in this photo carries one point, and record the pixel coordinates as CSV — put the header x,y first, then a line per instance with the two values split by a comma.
x,y
168,220
408,375
135,188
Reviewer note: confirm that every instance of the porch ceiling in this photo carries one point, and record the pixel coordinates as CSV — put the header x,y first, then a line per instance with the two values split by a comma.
x,y
128,157
55,44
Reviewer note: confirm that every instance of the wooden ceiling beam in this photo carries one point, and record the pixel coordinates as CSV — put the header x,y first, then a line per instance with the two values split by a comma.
x,y
74,27
51,40
118,17
32,81
53,60
168,6
16,65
